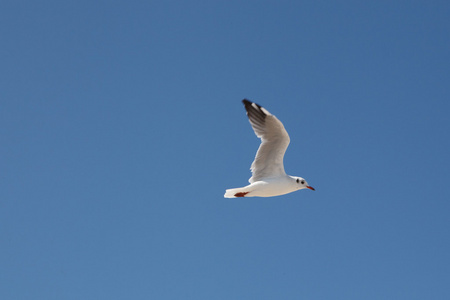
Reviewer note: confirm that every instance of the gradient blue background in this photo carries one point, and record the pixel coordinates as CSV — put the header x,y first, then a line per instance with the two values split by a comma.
x,y
121,126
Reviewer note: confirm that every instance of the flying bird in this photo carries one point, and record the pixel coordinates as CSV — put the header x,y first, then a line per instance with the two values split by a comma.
x,y
268,176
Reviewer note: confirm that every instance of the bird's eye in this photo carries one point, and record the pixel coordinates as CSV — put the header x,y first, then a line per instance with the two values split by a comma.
x,y
303,182
298,180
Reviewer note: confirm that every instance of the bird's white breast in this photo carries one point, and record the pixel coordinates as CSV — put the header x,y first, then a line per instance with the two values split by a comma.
x,y
272,187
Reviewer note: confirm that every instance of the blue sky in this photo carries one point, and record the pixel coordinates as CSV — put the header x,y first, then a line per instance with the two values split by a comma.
x,y
121,127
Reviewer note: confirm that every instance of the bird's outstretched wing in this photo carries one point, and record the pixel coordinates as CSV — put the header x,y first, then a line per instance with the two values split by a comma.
x,y
274,142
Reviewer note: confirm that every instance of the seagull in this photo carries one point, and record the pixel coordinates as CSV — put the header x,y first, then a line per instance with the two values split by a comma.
x,y
268,176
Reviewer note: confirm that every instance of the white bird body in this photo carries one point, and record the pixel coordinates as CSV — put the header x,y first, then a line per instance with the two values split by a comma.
x,y
268,187
268,176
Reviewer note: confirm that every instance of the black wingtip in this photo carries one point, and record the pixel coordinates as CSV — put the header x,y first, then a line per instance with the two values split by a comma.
x,y
246,102
248,105
254,112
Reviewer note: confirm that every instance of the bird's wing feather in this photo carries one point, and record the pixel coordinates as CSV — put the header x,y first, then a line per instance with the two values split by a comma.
x,y
274,142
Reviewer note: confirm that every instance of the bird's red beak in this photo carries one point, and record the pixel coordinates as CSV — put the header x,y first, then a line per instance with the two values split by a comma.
x,y
311,188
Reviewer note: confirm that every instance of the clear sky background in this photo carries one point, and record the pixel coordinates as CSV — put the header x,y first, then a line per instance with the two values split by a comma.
x,y
121,126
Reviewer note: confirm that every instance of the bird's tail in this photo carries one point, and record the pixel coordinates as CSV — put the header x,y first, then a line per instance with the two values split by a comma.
x,y
238,192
